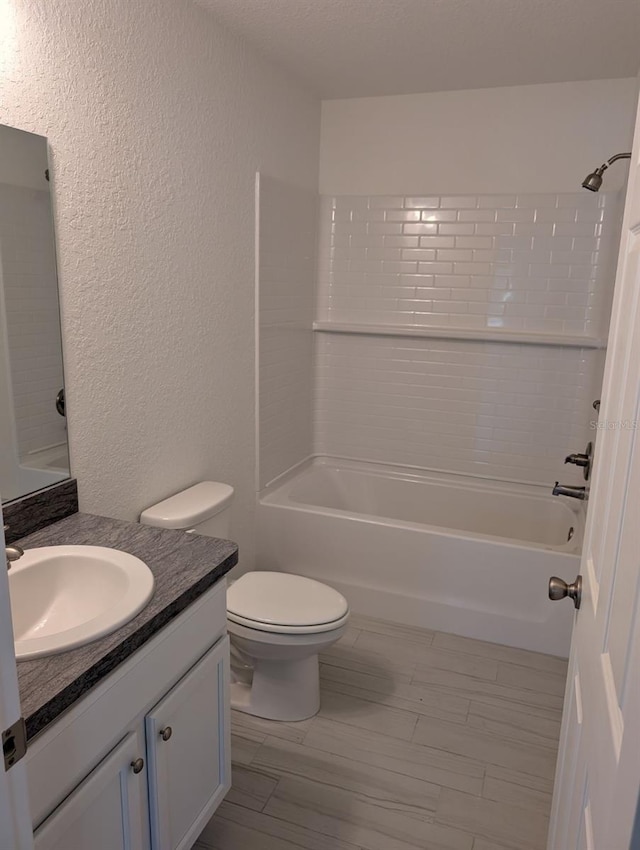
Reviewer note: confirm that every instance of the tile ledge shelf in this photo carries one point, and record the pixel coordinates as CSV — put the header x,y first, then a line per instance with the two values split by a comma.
x,y
472,334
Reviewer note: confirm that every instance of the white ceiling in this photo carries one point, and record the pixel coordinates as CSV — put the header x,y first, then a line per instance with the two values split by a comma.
x,y
357,48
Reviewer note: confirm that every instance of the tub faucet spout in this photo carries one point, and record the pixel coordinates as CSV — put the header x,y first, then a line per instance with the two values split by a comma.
x,y
565,490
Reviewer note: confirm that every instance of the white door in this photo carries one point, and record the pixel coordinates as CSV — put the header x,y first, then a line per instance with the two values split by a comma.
x,y
15,821
598,775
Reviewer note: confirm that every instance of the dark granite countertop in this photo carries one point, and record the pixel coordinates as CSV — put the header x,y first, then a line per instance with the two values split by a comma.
x,y
184,567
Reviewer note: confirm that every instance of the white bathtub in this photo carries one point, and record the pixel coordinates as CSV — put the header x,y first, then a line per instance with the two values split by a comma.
x,y
447,552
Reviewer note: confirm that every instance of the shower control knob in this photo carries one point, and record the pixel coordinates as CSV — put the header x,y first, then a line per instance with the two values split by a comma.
x,y
578,459
583,460
559,589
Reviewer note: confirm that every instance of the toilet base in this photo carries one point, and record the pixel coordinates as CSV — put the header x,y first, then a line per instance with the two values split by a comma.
x,y
280,690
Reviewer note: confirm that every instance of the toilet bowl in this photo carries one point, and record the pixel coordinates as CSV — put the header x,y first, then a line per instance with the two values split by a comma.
x,y
277,622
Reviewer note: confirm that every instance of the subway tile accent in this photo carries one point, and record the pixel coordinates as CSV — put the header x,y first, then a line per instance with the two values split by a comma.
x,y
531,263
506,250
497,409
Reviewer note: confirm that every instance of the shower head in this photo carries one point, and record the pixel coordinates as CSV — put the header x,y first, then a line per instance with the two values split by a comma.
x,y
593,181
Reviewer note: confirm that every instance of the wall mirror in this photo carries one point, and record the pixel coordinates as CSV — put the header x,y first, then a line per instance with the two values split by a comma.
x,y
33,433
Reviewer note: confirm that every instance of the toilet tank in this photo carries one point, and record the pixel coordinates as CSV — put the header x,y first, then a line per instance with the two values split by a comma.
x,y
201,509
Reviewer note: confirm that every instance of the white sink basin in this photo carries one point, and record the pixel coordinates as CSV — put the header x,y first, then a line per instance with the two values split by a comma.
x,y
66,596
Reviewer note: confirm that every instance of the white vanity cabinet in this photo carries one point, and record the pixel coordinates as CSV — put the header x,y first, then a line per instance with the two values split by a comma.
x,y
188,752
143,761
105,812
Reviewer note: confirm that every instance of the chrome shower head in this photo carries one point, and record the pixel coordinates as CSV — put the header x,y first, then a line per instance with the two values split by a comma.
x,y
593,181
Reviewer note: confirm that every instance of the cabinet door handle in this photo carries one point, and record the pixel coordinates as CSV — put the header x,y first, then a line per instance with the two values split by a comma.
x,y
166,733
137,766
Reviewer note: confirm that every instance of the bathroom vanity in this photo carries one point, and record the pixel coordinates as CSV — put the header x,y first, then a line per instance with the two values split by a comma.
x,y
128,736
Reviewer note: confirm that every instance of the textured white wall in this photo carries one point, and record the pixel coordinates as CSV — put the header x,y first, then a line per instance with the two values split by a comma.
x,y
542,138
158,120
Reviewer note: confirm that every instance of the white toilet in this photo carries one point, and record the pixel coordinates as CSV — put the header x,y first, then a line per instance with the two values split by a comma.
x,y
278,622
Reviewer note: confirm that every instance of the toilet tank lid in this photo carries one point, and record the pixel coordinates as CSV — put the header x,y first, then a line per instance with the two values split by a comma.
x,y
189,507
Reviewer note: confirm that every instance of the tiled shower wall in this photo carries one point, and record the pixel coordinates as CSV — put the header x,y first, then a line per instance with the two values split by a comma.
x,y
483,408
286,286
28,265
529,263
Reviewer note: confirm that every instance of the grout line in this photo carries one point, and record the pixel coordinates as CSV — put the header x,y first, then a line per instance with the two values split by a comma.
x,y
292,841
311,725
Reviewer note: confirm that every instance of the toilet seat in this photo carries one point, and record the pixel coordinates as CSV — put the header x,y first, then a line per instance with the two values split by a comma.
x,y
288,630
282,603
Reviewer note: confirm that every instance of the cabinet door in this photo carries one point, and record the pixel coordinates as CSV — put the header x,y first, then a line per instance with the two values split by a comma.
x,y
106,812
189,752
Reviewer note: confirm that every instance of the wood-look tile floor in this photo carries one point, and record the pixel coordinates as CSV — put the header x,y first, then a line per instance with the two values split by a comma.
x,y
424,740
